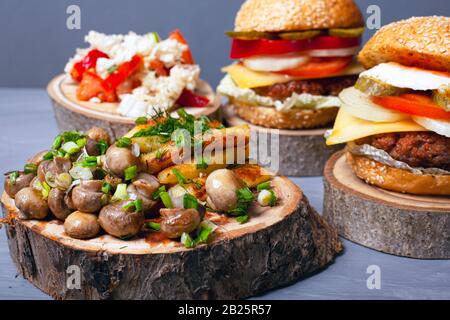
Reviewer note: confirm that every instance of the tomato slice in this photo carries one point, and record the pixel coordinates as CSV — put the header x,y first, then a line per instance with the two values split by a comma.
x,y
413,104
92,86
190,99
88,62
159,68
186,57
122,73
247,48
319,67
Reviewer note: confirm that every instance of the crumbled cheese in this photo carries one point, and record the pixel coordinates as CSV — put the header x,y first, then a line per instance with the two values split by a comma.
x,y
227,87
169,52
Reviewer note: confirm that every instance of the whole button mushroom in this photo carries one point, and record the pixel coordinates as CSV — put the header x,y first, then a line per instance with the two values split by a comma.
x,y
87,197
143,187
81,225
221,187
119,159
177,221
98,134
57,202
31,204
48,170
120,222
12,187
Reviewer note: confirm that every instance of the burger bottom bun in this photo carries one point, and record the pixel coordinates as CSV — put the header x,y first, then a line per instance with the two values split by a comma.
x,y
293,119
398,180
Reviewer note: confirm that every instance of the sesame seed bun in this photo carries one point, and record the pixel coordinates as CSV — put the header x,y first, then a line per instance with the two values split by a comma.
x,y
293,119
390,178
422,42
297,15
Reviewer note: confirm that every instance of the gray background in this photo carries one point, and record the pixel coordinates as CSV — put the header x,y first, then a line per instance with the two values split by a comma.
x,y
35,43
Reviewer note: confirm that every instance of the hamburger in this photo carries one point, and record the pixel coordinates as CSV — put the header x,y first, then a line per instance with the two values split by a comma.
x,y
396,119
293,58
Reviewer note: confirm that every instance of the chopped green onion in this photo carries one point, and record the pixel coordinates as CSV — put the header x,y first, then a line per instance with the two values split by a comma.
x,y
157,193
81,142
136,204
242,219
71,136
13,177
102,146
49,156
89,162
57,142
106,188
273,199
202,164
79,172
245,195
130,173
159,154
123,142
263,186
154,226
180,177
70,147
121,193
126,237
189,201
113,68
61,153
30,168
45,189
141,120
165,198
186,240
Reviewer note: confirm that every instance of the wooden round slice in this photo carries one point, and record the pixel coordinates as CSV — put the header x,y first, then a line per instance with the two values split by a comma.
x,y
73,114
401,224
276,247
299,152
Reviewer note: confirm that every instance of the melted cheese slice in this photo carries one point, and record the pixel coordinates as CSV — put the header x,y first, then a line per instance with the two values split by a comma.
x,y
349,128
247,78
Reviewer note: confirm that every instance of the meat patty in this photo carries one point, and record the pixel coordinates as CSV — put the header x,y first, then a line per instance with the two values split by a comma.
x,y
318,87
418,149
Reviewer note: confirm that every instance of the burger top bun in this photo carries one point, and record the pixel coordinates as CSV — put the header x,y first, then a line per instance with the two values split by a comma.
x,y
296,15
422,42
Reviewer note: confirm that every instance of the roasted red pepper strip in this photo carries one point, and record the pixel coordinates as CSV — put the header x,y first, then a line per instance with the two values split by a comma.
x,y
190,99
186,57
92,86
122,73
88,62
159,68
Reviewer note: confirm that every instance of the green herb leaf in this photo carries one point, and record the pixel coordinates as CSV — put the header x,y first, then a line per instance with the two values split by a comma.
x,y
13,177
245,195
113,68
102,146
242,219
141,120
186,240
123,142
71,136
89,162
30,168
154,226
202,164
159,154
273,199
81,142
137,205
106,188
181,179
189,201
130,173
263,186
203,234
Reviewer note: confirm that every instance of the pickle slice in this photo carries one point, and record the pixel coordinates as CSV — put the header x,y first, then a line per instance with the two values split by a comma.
x,y
346,33
441,97
300,35
375,87
251,35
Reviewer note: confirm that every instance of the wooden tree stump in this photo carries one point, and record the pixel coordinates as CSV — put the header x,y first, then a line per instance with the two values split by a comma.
x,y
277,246
391,222
301,152
73,114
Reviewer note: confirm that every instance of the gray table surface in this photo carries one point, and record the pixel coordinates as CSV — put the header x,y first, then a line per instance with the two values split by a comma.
x,y
27,126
